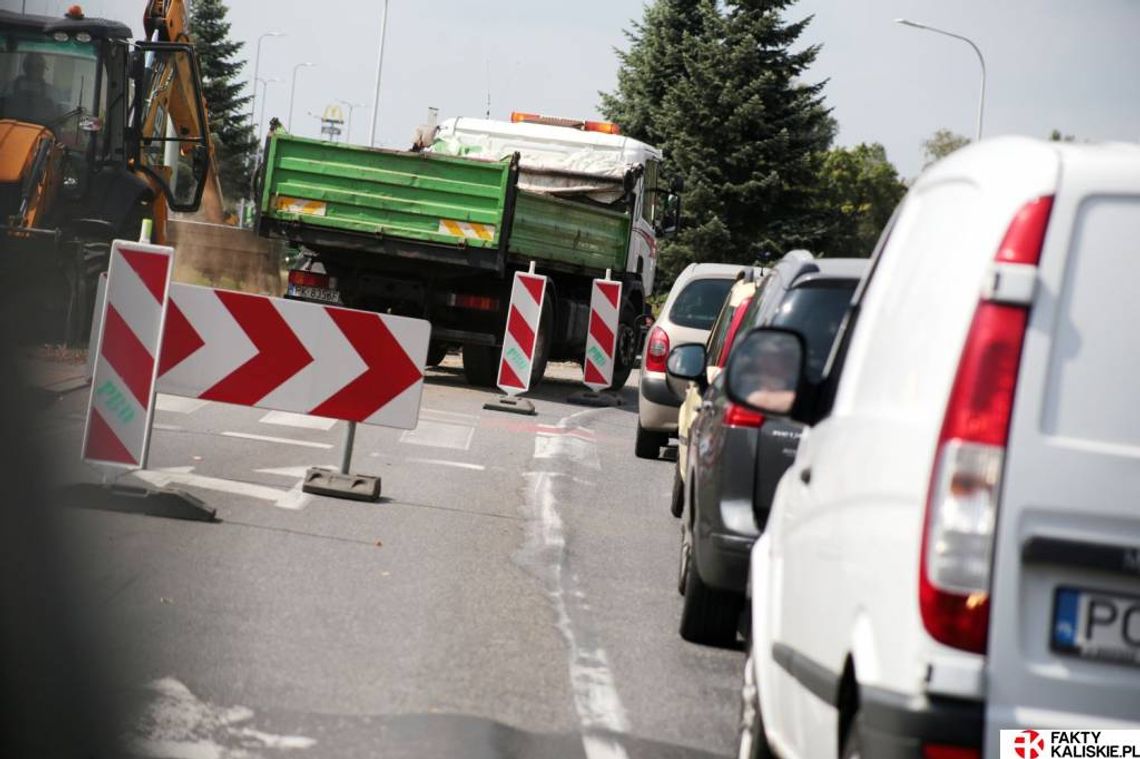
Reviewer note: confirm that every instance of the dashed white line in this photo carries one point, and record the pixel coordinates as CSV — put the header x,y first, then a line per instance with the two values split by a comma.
x,y
469,418
303,421
178,405
444,462
282,440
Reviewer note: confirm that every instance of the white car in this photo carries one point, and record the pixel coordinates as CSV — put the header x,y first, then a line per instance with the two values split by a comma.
x,y
956,548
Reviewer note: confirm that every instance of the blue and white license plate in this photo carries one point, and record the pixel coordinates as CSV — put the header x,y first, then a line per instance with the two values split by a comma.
x,y
322,294
1096,624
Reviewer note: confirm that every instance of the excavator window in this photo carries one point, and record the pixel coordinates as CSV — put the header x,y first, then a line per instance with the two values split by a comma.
x,y
52,81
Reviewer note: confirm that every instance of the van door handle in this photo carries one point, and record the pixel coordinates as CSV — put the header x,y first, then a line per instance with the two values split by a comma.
x,y
805,475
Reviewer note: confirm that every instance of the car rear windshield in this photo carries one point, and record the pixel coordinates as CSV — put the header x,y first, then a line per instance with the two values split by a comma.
x,y
699,303
815,312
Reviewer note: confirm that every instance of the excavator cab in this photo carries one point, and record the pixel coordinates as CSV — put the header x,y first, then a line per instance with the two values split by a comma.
x,y
97,133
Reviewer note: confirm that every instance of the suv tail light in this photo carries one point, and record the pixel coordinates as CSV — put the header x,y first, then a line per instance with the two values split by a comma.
x,y
739,416
965,485
657,350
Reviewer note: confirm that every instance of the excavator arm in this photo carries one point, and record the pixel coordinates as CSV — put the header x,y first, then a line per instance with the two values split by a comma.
x,y
175,92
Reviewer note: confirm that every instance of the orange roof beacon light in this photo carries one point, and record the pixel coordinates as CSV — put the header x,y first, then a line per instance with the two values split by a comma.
x,y
75,13
605,127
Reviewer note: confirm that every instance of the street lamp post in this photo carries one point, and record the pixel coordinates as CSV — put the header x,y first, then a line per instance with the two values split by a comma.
x,y
348,126
981,60
264,92
293,91
379,68
256,65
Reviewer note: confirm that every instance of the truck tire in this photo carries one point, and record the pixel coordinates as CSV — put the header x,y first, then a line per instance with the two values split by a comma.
x,y
709,616
437,352
481,364
625,352
542,344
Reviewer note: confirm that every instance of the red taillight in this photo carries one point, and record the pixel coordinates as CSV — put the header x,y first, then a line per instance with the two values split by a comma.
x,y
739,416
961,511
476,302
656,350
734,325
308,279
942,751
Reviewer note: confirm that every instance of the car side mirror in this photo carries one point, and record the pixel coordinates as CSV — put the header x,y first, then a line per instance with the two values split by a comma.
x,y
687,362
766,371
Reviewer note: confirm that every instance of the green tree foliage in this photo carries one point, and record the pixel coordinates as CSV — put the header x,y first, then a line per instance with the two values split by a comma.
x,y
1057,136
861,188
723,95
941,144
230,130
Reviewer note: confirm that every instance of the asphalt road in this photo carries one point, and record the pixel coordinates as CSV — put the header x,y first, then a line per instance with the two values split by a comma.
x,y
513,594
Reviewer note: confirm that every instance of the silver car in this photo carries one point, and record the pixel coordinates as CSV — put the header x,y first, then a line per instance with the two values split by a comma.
x,y
687,316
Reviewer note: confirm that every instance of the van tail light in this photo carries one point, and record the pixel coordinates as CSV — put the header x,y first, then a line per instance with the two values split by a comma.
x,y
965,484
944,751
656,350
309,279
739,416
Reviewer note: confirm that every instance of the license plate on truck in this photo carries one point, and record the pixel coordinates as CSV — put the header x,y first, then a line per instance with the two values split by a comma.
x,y
1095,624
322,294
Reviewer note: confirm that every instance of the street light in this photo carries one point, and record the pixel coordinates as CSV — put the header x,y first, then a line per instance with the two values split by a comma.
x,y
348,126
256,65
264,91
293,91
968,41
379,67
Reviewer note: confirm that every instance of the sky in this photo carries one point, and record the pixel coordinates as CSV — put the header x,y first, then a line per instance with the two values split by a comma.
x,y
1052,64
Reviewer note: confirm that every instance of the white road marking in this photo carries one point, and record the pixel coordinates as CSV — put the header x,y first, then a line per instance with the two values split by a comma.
x,y
440,435
176,724
289,419
167,427
594,689
282,440
177,405
469,418
443,462
292,472
161,479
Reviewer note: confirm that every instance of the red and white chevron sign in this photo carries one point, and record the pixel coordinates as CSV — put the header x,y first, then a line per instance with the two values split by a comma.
x,y
521,336
253,350
122,387
601,340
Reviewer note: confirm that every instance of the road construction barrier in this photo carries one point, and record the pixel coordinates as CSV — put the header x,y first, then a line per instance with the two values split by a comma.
x,y
249,350
520,338
601,338
121,406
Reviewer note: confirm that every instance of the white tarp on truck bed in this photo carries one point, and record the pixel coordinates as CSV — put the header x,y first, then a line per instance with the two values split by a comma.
x,y
553,160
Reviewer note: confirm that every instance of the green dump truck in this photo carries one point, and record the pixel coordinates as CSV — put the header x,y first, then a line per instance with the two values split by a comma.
x,y
438,233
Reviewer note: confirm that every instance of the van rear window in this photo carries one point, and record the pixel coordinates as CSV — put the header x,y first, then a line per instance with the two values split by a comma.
x,y
699,303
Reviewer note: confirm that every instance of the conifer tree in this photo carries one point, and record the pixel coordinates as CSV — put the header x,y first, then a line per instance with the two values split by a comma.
x,y
230,129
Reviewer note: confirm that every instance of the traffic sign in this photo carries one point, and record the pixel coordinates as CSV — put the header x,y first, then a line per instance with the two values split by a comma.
x,y
288,355
521,336
122,388
601,339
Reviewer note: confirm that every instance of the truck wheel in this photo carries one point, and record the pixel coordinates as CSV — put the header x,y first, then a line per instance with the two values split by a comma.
x,y
542,344
480,364
437,352
709,616
84,287
626,349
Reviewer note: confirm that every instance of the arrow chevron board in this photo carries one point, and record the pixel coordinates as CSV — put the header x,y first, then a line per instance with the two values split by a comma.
x,y
286,355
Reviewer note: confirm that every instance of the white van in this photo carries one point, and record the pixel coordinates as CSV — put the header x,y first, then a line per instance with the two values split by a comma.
x,y
956,549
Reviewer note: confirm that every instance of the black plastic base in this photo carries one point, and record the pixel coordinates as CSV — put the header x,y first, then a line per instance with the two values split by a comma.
x,y
355,487
169,503
510,405
597,400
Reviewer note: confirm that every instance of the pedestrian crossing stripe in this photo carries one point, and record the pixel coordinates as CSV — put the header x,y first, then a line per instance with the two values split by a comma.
x,y
467,229
296,205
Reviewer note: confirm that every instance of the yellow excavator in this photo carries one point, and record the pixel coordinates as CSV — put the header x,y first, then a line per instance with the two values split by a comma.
x,y
98,132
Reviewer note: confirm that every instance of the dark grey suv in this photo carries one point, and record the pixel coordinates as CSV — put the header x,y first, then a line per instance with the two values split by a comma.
x,y
736,456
